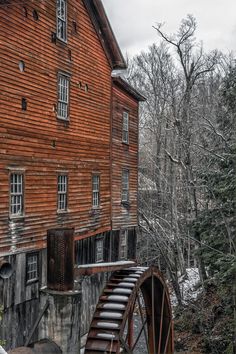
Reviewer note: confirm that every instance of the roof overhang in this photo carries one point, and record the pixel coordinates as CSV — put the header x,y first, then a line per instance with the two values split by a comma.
x,y
125,86
104,31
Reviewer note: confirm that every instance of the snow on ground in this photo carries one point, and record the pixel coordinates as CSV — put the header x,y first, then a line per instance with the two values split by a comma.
x,y
189,286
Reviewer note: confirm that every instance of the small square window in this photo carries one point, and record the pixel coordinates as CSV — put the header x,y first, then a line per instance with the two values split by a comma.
x,y
96,191
16,194
99,250
62,188
125,131
32,267
123,244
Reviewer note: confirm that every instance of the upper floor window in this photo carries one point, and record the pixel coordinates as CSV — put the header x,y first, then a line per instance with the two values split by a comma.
x,y
123,243
125,186
16,194
62,187
62,20
125,131
99,250
96,190
32,272
63,96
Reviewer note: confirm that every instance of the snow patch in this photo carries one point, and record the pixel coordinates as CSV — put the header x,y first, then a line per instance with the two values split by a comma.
x,y
113,306
118,298
108,325
112,315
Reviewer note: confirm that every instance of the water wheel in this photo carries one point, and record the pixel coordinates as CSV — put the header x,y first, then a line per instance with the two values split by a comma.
x,y
133,315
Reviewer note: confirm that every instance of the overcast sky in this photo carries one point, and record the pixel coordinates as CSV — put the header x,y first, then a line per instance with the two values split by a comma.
x,y
132,21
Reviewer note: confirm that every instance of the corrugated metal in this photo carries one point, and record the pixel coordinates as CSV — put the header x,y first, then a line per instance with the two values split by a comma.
x,y
60,258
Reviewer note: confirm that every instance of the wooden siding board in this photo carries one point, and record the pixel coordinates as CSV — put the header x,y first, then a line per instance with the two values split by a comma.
x,y
124,156
26,137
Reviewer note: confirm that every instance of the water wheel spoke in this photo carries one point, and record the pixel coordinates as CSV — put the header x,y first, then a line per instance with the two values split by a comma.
x,y
128,350
115,325
167,338
139,335
153,318
161,321
143,321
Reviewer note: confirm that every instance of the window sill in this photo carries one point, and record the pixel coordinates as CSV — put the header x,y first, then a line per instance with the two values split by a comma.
x,y
62,212
33,281
125,143
64,120
95,211
16,217
61,41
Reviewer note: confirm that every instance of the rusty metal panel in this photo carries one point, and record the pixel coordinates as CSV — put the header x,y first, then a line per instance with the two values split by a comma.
x,y
60,259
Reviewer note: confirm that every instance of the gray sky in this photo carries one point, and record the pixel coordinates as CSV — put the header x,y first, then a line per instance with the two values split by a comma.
x,y
132,21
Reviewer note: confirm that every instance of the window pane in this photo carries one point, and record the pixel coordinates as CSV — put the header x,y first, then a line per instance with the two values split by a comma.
x,y
96,190
125,134
63,97
62,192
16,194
125,186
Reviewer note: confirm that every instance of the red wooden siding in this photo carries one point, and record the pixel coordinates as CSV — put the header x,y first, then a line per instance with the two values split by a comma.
x,y
124,156
36,140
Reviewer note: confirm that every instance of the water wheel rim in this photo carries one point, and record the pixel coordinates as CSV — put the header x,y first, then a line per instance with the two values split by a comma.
x,y
107,331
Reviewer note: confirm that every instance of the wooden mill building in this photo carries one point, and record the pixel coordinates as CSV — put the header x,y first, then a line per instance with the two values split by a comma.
x,y
68,152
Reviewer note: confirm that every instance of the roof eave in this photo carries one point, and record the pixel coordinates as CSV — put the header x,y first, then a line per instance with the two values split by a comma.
x,y
128,88
105,33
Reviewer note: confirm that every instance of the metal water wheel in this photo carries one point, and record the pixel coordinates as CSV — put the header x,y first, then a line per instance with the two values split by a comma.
x,y
133,315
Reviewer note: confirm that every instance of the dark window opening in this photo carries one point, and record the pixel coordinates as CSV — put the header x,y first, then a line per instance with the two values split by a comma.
x,y
22,66
25,12
123,244
74,27
99,257
24,104
35,15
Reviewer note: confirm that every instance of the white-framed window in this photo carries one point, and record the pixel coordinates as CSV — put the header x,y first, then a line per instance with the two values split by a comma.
x,y
16,194
125,130
125,186
62,188
99,250
96,191
32,267
62,20
123,243
63,96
